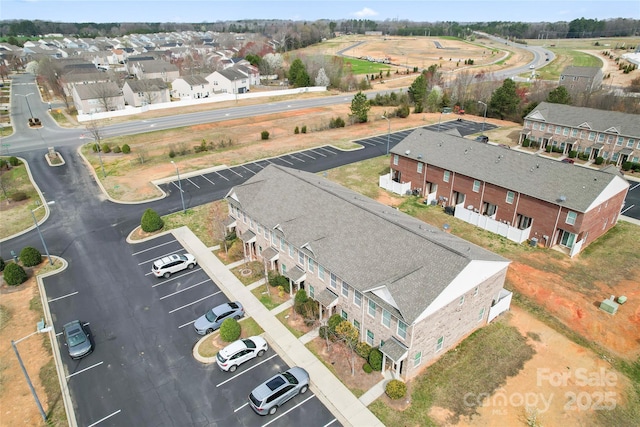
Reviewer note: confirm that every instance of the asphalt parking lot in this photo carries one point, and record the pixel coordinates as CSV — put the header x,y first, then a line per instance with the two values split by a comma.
x,y
142,371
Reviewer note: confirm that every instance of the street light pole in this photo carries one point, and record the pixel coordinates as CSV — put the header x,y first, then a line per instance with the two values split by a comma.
x,y
179,185
35,221
26,98
485,115
388,132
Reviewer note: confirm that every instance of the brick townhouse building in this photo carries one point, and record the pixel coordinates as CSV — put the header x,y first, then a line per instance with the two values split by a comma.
x,y
411,289
516,194
596,133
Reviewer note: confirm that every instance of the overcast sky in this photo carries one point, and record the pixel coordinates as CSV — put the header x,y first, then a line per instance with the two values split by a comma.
x,y
310,10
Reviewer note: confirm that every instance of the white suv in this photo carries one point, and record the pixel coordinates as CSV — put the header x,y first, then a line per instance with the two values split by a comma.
x,y
238,352
172,264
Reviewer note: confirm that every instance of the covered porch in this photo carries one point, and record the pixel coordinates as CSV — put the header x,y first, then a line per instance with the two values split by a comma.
x,y
394,354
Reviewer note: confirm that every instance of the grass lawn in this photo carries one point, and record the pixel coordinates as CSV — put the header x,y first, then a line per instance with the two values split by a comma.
x,y
361,66
480,364
16,215
282,317
270,300
250,272
198,219
249,328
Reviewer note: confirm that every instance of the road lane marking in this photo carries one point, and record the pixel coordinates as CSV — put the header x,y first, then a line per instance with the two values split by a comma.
x,y
185,289
105,418
85,369
63,296
245,371
154,247
288,410
330,422
194,302
634,187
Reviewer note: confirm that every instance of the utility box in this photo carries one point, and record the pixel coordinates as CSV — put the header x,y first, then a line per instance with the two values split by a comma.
x,y
609,305
534,242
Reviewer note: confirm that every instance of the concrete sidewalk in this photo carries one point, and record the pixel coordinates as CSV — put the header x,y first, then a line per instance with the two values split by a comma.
x,y
348,409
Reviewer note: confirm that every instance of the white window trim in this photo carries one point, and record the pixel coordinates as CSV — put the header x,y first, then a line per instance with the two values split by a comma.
x,y
382,318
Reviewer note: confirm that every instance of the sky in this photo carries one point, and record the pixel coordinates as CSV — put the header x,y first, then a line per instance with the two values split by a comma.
x,y
196,11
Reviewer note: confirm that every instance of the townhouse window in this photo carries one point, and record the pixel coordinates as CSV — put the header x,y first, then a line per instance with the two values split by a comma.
x,y
565,131
274,239
345,289
357,298
266,234
395,159
543,126
527,124
284,269
630,142
321,272
386,318
571,217
250,223
614,157
259,229
605,154
601,137
439,344
370,338
446,176
356,325
536,125
574,132
476,291
481,314
402,329
333,280
592,136
344,315
461,300
282,244
620,140
301,258
291,250
476,186
510,197
244,217
311,265
420,165
372,308
550,128
312,291
417,359
609,139
558,130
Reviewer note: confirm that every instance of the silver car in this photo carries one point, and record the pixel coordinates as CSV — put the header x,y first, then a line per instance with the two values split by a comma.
x,y
213,318
268,396
238,352
77,339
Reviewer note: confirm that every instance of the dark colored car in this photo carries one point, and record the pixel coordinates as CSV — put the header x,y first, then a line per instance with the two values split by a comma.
x,y
568,160
213,318
77,339
482,138
268,396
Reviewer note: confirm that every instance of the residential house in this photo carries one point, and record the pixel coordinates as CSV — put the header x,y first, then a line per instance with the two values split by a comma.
x,y
409,288
252,73
97,97
191,87
153,69
138,93
228,81
518,195
590,132
581,79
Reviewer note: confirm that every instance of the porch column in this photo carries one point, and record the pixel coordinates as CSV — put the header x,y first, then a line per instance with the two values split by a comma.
x,y
384,363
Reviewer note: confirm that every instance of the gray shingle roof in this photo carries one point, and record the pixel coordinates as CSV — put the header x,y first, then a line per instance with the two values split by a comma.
x,y
231,74
596,120
536,176
98,90
365,243
580,71
147,85
195,80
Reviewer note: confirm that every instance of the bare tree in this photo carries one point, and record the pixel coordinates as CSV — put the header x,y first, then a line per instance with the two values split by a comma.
x,y
105,94
348,334
219,214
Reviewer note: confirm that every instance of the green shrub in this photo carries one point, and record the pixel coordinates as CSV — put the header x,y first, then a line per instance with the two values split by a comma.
x,y
19,196
117,149
126,149
296,130
172,153
95,147
106,148
573,154
363,349
333,322
3,164
151,221
304,129
403,111
548,149
14,274
30,256
277,280
301,297
396,389
264,135
2,264
599,160
230,330
14,161
323,332
526,143
367,368
375,359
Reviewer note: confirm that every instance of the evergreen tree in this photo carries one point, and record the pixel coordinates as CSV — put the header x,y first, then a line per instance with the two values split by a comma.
x,y
418,93
504,100
559,95
296,68
360,107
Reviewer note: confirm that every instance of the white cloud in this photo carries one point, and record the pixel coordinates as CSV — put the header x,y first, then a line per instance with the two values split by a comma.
x,y
365,13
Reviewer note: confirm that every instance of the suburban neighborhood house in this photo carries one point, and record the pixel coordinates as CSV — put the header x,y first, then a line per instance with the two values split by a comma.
x,y
518,195
595,133
138,93
97,97
581,79
411,289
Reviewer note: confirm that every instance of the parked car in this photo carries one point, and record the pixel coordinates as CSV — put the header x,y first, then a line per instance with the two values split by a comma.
x,y
213,318
482,138
77,339
271,394
568,160
168,265
238,352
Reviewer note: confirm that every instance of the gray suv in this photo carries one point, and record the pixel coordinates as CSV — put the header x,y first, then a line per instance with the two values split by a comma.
x,y
268,396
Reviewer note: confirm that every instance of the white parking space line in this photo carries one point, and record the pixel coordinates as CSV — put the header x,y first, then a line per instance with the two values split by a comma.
x,y
197,186
248,169
205,177
176,277
154,247
105,418
244,372
366,142
161,256
281,159
194,302
237,409
85,369
222,176
176,185
320,154
330,422
287,411
63,296
236,173
259,165
305,154
634,187
327,150
185,289
187,324
627,209
297,158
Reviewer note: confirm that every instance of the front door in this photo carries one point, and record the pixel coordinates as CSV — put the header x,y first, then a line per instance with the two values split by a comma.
x,y
567,239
